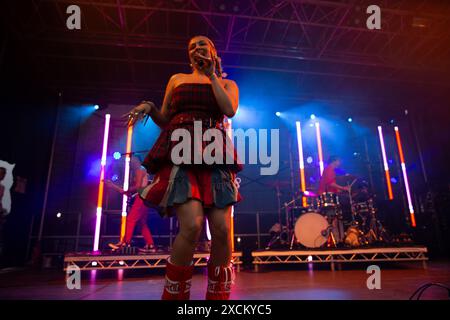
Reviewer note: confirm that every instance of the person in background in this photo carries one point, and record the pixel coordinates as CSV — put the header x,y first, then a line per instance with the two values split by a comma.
x,y
137,216
328,179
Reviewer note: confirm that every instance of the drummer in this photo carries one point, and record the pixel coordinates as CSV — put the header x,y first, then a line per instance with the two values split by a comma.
x,y
362,193
328,179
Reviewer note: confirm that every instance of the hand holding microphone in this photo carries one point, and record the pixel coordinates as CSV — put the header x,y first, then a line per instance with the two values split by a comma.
x,y
206,64
201,63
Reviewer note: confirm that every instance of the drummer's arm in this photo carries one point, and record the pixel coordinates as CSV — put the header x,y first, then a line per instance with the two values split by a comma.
x,y
341,188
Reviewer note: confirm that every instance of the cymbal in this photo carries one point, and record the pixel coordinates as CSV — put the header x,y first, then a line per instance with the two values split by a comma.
x,y
348,178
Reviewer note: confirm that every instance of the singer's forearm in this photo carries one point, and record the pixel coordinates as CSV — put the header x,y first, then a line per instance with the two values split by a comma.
x,y
159,118
227,104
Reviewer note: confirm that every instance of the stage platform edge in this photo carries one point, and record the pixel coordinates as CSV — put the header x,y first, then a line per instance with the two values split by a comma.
x,y
336,255
91,261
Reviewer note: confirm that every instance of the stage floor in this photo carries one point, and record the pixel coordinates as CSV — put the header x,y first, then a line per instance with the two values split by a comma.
x,y
398,281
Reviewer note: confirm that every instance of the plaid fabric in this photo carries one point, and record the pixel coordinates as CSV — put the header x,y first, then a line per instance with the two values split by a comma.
x,y
191,102
199,97
213,186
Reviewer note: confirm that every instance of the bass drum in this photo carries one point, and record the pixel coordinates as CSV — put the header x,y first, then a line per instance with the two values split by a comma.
x,y
311,230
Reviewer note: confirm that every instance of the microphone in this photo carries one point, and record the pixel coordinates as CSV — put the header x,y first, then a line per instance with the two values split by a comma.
x,y
201,63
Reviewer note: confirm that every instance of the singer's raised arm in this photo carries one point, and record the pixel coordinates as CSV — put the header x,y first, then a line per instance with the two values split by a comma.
x,y
227,95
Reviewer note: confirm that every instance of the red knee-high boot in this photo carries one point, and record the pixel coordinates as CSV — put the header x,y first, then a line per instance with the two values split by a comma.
x,y
178,282
220,280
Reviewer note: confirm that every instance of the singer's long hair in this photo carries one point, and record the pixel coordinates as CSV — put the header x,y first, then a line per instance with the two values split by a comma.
x,y
215,56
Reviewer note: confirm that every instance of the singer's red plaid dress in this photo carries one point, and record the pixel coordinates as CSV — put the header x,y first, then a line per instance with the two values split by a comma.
x,y
212,184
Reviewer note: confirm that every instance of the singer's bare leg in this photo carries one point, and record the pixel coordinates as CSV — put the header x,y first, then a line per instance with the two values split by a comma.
x,y
219,224
190,218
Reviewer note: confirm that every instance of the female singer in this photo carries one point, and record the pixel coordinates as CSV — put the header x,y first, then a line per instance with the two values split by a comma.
x,y
191,189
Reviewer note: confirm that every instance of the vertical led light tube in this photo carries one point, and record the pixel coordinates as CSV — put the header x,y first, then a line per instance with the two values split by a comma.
x,y
319,147
101,183
405,177
385,164
126,182
301,161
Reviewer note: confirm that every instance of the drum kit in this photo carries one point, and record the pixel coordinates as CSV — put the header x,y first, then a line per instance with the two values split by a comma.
x,y
321,223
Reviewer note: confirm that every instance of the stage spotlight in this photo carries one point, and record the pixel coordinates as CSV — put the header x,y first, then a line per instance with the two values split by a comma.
x,y
117,155
121,262
278,113
238,239
394,180
59,215
309,160
392,121
350,120
98,106
310,258
94,263
406,112
311,125
115,177
313,116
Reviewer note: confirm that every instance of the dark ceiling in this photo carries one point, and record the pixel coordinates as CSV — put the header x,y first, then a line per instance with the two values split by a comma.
x,y
295,50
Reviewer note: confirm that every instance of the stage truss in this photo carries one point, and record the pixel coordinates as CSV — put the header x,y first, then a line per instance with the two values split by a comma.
x,y
332,256
87,262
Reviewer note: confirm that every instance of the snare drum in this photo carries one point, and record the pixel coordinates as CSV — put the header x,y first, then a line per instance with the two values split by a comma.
x,y
313,203
329,199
